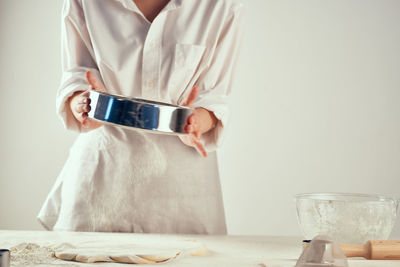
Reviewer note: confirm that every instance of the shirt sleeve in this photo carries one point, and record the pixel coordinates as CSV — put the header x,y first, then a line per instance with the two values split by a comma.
x,y
77,58
215,82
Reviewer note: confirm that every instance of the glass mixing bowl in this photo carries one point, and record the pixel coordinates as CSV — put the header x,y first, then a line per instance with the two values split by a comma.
x,y
347,218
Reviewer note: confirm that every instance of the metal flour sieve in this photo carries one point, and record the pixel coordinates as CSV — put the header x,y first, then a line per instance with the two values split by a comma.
x,y
136,113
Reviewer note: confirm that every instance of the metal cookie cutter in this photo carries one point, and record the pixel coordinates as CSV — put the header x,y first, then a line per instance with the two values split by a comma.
x,y
4,258
143,114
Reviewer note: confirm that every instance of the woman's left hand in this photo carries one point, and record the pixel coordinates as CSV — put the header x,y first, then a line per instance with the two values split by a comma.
x,y
198,123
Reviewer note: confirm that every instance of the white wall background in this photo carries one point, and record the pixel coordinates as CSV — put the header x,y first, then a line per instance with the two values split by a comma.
x,y
315,108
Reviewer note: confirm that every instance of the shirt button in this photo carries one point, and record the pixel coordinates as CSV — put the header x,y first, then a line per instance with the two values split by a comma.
x,y
150,84
153,44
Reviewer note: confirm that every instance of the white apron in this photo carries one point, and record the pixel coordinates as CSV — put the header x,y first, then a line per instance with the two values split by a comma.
x,y
132,181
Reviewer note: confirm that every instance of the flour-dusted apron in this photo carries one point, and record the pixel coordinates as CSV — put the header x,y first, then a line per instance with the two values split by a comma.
x,y
131,181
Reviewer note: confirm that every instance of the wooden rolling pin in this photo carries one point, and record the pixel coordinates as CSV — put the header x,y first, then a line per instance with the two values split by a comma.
x,y
373,250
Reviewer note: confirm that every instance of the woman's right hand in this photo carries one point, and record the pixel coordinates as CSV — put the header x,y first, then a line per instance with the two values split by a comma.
x,y
79,103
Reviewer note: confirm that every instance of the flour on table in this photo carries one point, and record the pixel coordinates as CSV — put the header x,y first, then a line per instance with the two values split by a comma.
x,y
30,254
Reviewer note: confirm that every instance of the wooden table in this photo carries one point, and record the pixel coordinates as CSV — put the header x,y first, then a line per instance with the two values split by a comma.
x,y
271,251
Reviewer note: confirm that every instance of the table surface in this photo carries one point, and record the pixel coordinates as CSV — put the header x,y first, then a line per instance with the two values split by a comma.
x,y
271,251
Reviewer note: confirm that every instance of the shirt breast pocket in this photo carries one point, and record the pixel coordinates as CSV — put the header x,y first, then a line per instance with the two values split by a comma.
x,y
187,61
188,55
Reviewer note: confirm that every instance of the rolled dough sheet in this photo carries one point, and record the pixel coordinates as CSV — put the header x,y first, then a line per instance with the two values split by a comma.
x,y
143,252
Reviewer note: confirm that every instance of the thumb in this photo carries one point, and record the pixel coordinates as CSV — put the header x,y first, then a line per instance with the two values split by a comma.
x,y
191,97
94,82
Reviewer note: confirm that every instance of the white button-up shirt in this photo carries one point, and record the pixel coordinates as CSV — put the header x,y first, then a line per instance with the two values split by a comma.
x,y
190,42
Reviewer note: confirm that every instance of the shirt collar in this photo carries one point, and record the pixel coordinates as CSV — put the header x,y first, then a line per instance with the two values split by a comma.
x,y
172,4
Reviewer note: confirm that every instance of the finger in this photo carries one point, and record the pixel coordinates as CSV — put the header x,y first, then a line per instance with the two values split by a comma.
x,y
84,100
191,97
84,121
94,82
190,119
85,94
188,128
85,115
197,134
199,147
82,108
78,108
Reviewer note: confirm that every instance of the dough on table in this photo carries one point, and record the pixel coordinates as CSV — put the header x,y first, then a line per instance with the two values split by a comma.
x,y
82,255
115,255
148,252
